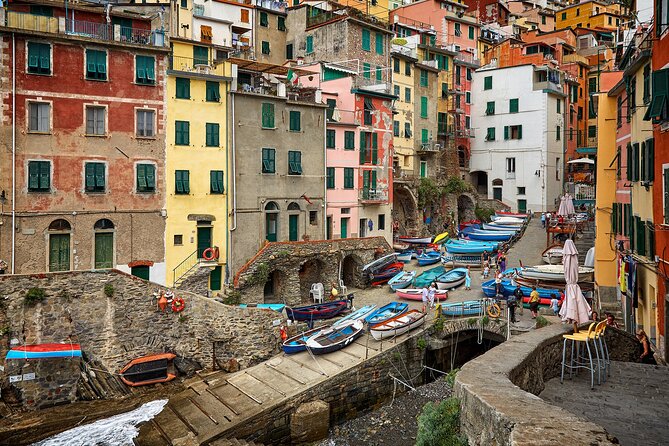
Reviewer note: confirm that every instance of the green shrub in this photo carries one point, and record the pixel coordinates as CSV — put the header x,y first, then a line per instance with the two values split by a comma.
x,y
438,324
35,295
428,192
450,377
484,214
422,343
109,290
542,322
439,424
234,297
456,185
260,275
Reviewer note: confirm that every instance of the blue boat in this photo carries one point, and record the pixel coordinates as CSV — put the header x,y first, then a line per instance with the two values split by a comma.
x,y
333,339
402,280
428,258
274,307
494,227
508,288
469,248
451,279
298,343
467,308
405,256
490,235
427,277
326,310
358,314
41,351
386,312
489,288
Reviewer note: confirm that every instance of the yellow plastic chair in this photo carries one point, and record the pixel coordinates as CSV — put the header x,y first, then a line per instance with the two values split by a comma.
x,y
575,363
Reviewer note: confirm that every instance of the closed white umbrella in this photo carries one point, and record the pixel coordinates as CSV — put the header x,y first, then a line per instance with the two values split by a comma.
x,y
569,204
562,209
575,308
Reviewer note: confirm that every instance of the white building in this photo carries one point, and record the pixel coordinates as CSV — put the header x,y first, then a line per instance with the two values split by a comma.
x,y
519,146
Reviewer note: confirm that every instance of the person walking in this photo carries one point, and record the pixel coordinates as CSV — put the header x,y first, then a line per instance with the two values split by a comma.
x,y
430,294
502,262
512,302
555,302
543,220
534,302
468,280
424,294
518,294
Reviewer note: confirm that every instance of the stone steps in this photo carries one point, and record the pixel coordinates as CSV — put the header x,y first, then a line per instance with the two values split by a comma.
x,y
233,442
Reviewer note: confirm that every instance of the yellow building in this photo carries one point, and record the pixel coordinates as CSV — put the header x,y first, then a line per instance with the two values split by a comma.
x,y
196,161
378,8
403,61
589,14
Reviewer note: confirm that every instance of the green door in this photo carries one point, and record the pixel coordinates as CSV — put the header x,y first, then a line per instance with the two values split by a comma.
x,y
203,240
497,193
328,228
270,226
522,206
344,227
104,250
215,279
126,27
140,271
423,169
292,227
59,252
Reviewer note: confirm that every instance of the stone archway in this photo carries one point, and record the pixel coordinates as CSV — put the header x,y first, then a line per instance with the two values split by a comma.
x,y
350,271
466,208
405,211
274,289
480,180
311,272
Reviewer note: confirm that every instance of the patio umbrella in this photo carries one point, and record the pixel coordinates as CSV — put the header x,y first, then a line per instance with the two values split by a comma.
x,y
569,204
575,308
562,210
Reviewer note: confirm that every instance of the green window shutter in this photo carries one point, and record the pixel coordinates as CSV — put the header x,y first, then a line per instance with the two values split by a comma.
x,y
182,184
366,44
487,83
96,65
471,33
39,58
490,136
363,147
182,133
310,44
212,134
513,105
213,93
267,115
366,68
144,70
141,177
650,159
39,176
559,106
407,130
396,128
506,132
490,108
379,43
330,177
329,113
268,160
407,68
349,140
295,124
396,90
520,132
424,136
281,23
379,74
658,110
396,65
348,177
264,20
90,176
407,94
375,148
44,175
423,78
294,163
264,47
330,138
216,182
365,183
200,55
635,162
650,239
423,107
629,161
372,181
183,88
614,218
100,176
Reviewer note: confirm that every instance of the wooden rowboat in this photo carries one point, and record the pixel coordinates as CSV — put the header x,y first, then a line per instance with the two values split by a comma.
x,y
298,343
325,310
398,325
151,369
417,294
552,255
333,339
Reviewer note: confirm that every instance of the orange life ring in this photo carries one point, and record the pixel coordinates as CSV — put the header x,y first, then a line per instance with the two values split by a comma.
x,y
178,305
210,253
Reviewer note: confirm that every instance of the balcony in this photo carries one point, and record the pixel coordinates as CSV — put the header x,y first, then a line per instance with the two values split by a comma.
x,y
378,195
201,67
404,50
429,147
82,29
272,5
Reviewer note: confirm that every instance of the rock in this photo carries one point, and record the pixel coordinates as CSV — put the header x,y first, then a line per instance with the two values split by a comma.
x,y
186,366
310,422
230,366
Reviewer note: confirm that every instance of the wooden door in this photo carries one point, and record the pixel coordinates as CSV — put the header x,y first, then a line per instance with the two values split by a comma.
x,y
293,227
104,250
203,240
59,252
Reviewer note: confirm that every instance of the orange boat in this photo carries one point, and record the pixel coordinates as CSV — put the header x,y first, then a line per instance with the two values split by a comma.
x,y
151,369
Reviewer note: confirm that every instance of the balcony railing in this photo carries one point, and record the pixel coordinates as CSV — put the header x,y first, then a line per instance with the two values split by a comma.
x,y
272,5
373,195
189,65
89,30
430,146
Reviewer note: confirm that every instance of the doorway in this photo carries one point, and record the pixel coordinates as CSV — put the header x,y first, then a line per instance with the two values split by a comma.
x,y
293,227
362,229
344,227
203,239
140,271
59,252
522,206
497,193
328,228
104,250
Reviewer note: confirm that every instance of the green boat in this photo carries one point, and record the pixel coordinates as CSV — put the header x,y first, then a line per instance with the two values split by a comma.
x,y
427,277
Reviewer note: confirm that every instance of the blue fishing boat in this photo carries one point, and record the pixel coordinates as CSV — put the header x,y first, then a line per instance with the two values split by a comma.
x,y
274,307
427,277
494,227
428,258
41,351
467,308
333,339
402,280
489,288
298,343
451,279
325,310
406,256
469,248
386,312
490,235
358,314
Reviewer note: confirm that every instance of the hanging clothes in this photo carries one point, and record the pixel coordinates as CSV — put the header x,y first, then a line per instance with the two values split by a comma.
x,y
622,275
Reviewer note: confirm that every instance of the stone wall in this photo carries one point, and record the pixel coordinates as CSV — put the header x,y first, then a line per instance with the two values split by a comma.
x,y
294,266
498,392
114,330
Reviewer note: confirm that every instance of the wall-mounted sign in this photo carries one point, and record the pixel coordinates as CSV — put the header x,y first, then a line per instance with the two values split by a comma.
x,y
15,378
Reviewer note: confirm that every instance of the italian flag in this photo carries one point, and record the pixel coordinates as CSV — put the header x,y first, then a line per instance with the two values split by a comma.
x,y
292,77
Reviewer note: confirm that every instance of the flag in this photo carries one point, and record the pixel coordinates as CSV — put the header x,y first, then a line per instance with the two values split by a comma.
x,y
306,198
292,77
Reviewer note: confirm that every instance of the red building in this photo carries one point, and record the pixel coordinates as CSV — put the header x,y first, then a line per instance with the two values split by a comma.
x,y
658,112
83,182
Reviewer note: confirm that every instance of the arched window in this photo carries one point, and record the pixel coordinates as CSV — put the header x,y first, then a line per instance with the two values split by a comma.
x,y
104,244
293,206
59,245
293,222
271,221
497,182
102,224
60,225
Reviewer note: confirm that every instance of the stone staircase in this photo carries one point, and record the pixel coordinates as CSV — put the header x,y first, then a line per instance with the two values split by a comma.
x,y
233,442
196,280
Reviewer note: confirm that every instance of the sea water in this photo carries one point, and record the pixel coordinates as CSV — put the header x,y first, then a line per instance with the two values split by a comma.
x,y
118,430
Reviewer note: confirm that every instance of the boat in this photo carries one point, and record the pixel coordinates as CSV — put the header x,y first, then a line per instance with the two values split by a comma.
x,y
386,312
358,314
546,301
473,248
386,274
451,279
504,230
512,221
464,224
428,258
41,351
325,310
489,288
440,238
397,325
416,240
590,258
427,277
555,273
405,256
490,236
274,307
417,294
466,308
151,369
456,260
298,343
400,246
494,227
508,287
401,280
511,214
552,255
333,339
380,262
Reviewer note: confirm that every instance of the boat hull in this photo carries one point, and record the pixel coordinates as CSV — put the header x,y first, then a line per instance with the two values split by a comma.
x,y
398,325
147,370
41,351
313,312
416,240
298,343
386,312
359,314
328,341
467,308
417,294
401,280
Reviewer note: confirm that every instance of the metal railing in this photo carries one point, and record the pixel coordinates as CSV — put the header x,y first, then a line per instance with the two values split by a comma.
x,y
373,194
272,5
189,65
184,267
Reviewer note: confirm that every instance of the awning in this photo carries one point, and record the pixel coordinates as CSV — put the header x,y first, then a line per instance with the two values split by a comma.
x,y
260,67
586,150
581,160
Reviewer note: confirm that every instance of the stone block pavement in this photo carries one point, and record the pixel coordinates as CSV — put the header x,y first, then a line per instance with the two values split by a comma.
x,y
632,405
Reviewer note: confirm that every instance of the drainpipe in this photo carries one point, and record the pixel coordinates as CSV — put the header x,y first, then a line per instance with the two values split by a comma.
x,y
325,172
13,152
227,170
233,175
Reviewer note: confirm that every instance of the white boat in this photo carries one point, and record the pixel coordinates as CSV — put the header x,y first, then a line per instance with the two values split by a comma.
x,y
590,258
552,255
554,273
398,325
357,315
416,240
511,221
494,227
390,258
405,257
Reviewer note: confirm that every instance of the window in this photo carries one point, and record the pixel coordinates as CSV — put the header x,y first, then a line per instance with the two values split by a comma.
x,y
213,92
564,16
330,177
268,160
39,117
95,120
281,23
396,128
407,130
294,163
216,185
458,32
631,94
295,121
592,131
39,176
211,134
396,65
658,110
309,45
468,122
313,218
39,58
146,178
513,105
490,134
521,191
578,12
490,108
367,112
264,20
289,51
487,83
424,136
178,239
558,131
184,4
458,74
379,73
330,139
559,106
145,119
423,78
348,177
145,72
183,88
267,115
244,15
182,133
646,84
471,33
94,174
543,19
407,68
513,132
648,160
44,11
366,70
366,40
407,94
557,169
423,107
468,74
349,140
96,65
510,165
379,43
396,90
264,47
182,182
468,97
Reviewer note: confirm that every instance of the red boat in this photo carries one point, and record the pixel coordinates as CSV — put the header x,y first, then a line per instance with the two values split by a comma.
x,y
151,369
417,294
464,224
386,274
40,351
